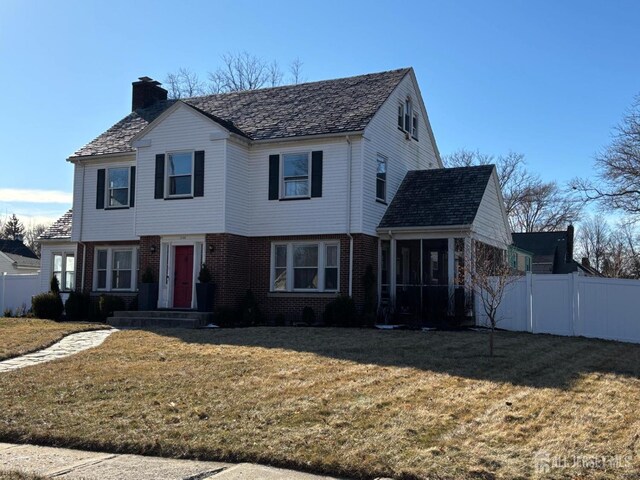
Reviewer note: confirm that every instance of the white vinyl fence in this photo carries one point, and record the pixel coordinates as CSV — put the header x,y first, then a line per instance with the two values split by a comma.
x,y
16,291
572,305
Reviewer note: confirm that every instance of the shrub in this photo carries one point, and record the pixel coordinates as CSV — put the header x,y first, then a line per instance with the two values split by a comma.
x,y
308,316
341,312
47,306
77,306
204,276
249,311
225,316
7,313
55,285
147,276
370,294
280,320
107,304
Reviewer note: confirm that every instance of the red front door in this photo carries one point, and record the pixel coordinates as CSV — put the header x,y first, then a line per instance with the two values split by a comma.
x,y
183,277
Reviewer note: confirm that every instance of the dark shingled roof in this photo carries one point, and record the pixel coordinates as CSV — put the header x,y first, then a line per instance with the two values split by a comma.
x,y
16,247
330,106
438,197
61,229
19,253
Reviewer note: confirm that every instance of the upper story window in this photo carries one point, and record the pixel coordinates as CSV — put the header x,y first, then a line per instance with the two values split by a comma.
x,y
295,175
381,179
64,269
118,192
180,174
115,187
408,118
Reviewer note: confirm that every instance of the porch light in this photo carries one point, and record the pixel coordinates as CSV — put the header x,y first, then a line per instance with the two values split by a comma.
x,y
153,249
211,248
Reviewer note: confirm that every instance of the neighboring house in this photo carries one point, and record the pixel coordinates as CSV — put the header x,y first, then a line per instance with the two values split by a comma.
x,y
520,260
17,258
279,190
552,252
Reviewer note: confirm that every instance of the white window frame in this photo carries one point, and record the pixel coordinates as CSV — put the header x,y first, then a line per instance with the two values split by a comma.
x,y
283,193
414,126
64,271
382,159
322,249
109,276
167,176
401,115
408,114
108,189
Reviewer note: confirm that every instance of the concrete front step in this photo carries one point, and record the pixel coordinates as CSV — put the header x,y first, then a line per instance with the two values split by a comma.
x,y
160,319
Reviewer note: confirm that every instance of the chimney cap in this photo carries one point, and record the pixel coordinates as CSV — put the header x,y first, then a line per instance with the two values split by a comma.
x,y
148,80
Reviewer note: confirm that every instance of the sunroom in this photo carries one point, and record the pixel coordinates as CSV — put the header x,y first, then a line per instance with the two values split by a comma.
x,y
428,239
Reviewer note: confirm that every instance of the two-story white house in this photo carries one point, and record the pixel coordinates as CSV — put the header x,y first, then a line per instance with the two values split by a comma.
x,y
279,190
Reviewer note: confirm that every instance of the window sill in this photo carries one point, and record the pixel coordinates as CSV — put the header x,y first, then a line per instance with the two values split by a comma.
x,y
117,208
289,199
383,202
181,197
302,294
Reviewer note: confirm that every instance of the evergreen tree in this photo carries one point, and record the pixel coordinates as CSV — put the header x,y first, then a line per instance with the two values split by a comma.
x,y
13,228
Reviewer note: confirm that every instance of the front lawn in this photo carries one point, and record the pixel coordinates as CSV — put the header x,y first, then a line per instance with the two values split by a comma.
x,y
357,403
23,335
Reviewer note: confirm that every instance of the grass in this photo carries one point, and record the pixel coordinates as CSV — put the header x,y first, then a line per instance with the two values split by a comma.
x,y
357,403
13,475
23,335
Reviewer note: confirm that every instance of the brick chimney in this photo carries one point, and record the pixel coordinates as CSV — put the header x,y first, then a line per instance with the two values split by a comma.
x,y
569,243
146,92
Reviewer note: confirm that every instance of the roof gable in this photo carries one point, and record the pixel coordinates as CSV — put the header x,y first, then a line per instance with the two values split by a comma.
x,y
331,106
16,248
444,197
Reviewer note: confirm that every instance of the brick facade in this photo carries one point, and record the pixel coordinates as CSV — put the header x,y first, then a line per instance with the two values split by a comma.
x,y
240,263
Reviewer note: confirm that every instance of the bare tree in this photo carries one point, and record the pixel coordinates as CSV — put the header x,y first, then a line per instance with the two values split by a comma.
x,y
243,71
490,277
593,240
295,68
618,168
31,236
531,204
184,84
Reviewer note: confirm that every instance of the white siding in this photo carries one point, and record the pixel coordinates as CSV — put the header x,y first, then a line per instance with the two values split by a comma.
x,y
99,224
46,260
383,137
237,189
183,129
326,214
490,222
6,265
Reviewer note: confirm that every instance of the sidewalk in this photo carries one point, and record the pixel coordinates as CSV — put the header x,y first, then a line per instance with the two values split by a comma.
x,y
62,463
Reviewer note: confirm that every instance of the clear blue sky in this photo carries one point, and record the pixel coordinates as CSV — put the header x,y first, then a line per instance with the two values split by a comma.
x,y
547,78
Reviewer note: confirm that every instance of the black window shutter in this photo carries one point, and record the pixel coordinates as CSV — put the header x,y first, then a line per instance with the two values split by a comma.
x,y
100,190
316,174
159,190
132,187
198,174
274,177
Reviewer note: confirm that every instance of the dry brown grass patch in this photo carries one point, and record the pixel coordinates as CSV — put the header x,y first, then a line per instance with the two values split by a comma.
x,y
358,403
23,335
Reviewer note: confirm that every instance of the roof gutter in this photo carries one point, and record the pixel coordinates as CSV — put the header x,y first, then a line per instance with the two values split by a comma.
x,y
81,158
437,228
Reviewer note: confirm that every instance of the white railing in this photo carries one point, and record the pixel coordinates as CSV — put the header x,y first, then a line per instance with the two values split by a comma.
x,y
16,291
572,305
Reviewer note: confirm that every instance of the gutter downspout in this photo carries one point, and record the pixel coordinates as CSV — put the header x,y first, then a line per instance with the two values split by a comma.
x,y
80,242
349,155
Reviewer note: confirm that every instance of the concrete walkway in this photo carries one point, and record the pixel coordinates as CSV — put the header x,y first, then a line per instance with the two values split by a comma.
x,y
69,345
62,463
